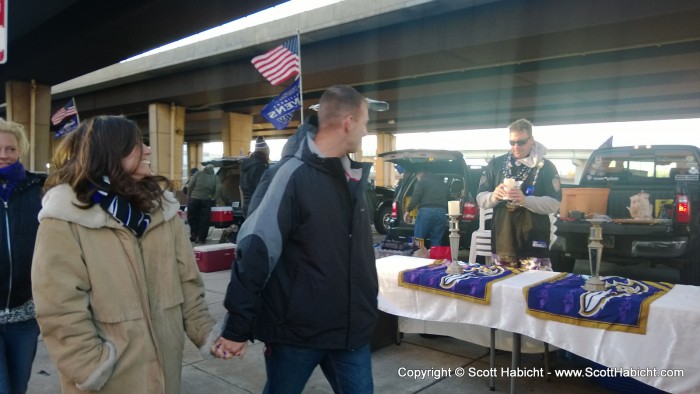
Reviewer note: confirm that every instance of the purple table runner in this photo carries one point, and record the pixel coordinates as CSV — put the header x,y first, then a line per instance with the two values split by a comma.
x,y
474,284
622,306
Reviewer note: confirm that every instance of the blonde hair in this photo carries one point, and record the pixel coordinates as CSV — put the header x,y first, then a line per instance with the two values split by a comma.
x,y
17,130
522,125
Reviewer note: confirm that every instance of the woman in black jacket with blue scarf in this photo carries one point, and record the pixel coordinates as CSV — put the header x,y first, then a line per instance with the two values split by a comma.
x,y
20,202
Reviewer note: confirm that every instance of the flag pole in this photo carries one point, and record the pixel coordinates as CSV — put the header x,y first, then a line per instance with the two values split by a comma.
x,y
77,114
301,87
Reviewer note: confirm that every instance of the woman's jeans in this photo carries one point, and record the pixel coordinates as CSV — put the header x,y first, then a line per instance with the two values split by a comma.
x,y
18,343
431,223
289,368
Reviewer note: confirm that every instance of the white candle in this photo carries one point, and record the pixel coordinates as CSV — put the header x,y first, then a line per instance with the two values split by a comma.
x,y
453,208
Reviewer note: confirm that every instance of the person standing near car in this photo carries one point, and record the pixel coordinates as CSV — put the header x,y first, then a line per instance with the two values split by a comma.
x,y
20,192
430,197
252,169
520,229
203,188
304,279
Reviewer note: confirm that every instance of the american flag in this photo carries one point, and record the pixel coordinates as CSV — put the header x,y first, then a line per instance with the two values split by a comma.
x,y
67,110
279,63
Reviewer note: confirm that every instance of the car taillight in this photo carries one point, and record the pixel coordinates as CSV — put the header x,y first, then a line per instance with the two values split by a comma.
x,y
470,211
682,209
393,210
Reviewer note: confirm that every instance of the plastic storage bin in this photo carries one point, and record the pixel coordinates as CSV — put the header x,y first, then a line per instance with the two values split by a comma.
x,y
588,200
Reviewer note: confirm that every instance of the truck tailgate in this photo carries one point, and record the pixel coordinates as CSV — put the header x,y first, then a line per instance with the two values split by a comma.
x,y
660,228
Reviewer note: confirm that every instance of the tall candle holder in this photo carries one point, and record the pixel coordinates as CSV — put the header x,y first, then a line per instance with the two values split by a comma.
x,y
454,268
595,254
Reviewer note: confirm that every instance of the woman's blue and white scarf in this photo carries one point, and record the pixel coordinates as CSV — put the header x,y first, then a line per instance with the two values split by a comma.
x,y
121,209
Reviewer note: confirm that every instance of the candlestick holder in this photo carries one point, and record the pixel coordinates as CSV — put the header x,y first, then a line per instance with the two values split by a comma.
x,y
595,254
454,268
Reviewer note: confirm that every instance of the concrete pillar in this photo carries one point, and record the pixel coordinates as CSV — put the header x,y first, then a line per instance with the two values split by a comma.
x,y
166,124
236,133
195,152
29,104
384,172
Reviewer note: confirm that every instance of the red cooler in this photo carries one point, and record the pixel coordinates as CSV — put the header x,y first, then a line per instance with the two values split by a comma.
x,y
221,217
216,257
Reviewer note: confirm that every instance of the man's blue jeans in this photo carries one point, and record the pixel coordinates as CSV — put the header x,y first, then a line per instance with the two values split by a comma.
x,y
289,368
431,224
18,343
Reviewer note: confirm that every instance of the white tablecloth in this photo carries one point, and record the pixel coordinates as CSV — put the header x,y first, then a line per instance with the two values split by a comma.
x,y
672,340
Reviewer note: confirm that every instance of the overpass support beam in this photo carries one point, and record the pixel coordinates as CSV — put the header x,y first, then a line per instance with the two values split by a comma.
x,y
236,133
29,104
166,124
195,153
384,172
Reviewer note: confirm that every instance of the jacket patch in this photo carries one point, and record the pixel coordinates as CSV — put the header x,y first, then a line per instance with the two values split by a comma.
x,y
556,184
539,244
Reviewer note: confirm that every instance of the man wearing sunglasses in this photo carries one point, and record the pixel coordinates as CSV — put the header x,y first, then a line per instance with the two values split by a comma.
x,y
523,188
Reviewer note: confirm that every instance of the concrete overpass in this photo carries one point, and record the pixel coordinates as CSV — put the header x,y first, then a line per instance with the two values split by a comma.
x,y
51,41
442,64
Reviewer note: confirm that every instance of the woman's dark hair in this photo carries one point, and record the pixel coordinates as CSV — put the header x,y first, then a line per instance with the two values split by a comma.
x,y
95,149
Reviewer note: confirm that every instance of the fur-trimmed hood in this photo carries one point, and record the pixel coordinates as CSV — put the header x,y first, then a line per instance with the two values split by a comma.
x,y
60,203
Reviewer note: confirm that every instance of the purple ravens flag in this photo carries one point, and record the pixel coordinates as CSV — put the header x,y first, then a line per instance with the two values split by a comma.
x,y
281,110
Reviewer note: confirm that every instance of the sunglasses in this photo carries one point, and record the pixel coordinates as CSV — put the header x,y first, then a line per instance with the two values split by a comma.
x,y
519,142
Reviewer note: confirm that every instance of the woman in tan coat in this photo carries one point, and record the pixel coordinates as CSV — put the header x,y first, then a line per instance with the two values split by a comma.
x,y
115,283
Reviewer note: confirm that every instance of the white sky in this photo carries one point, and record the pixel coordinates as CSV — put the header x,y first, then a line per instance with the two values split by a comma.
x,y
579,136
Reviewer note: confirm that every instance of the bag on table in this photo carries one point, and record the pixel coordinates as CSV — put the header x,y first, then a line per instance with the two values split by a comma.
x,y
440,252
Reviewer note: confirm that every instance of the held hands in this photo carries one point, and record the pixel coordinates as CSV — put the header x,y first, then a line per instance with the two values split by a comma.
x,y
223,348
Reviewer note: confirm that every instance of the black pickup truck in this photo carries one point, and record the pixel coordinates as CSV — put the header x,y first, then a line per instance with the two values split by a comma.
x,y
670,174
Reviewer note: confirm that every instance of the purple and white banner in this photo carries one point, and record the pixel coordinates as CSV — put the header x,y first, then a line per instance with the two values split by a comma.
x,y
280,111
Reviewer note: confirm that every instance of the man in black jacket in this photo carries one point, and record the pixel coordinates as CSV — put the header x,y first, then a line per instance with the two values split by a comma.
x,y
304,280
252,169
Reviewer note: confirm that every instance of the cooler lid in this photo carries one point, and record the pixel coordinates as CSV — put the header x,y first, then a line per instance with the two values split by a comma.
x,y
213,247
